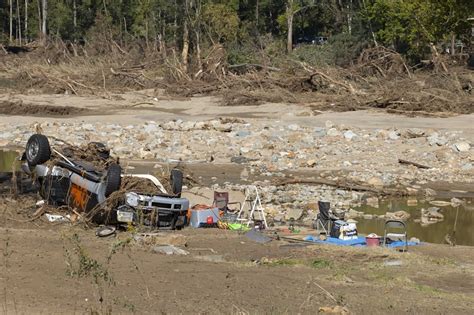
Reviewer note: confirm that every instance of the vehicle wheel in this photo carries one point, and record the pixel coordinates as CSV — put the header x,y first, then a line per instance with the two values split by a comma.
x,y
176,179
102,150
37,150
113,179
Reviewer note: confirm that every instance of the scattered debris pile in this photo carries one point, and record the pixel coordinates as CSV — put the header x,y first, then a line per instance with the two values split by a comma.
x,y
379,79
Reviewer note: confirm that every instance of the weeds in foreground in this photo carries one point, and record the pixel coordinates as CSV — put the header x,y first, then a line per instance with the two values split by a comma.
x,y
317,263
80,265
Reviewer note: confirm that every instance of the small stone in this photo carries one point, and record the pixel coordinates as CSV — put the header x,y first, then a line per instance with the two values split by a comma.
x,y
394,135
244,174
293,127
398,215
368,216
440,203
432,213
329,124
313,206
319,132
372,202
415,133
377,182
242,133
150,128
352,214
333,132
349,135
347,164
296,214
462,146
88,127
239,159
311,163
146,155
467,167
455,202
169,250
279,218
435,139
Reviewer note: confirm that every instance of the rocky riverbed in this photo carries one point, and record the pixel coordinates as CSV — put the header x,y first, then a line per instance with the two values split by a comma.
x,y
369,156
274,150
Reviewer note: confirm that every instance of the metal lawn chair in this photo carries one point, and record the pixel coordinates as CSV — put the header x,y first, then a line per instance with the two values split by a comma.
x,y
392,226
221,201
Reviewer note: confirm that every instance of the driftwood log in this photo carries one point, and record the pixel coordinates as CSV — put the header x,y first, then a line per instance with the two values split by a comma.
x,y
343,185
413,163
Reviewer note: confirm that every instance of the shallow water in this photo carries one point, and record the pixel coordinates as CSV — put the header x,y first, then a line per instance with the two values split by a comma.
x,y
8,160
433,233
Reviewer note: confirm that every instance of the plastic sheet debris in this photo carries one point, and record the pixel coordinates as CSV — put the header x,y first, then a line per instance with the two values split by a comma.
x,y
170,250
211,258
57,217
258,237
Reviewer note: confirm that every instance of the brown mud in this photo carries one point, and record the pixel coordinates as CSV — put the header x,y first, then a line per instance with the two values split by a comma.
x,y
21,109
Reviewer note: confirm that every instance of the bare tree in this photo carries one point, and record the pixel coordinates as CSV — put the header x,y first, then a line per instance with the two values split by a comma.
x,y
38,2
18,21
290,14
185,51
45,18
349,17
26,21
291,10
74,14
11,20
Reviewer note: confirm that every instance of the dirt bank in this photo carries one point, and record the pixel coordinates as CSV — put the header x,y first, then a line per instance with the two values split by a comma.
x,y
19,109
225,273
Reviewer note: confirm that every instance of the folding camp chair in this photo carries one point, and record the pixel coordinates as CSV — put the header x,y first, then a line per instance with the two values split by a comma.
x,y
324,219
221,201
399,226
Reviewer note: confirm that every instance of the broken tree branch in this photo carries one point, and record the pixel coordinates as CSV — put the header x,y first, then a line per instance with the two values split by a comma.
x,y
413,163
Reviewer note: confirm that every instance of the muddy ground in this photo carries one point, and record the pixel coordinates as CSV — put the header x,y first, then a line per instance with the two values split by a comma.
x,y
224,272
51,268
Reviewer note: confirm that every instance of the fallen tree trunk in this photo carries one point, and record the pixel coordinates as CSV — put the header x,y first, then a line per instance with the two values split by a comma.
x,y
344,185
413,163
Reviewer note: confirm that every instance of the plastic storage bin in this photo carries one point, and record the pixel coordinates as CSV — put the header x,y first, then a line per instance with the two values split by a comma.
x,y
199,217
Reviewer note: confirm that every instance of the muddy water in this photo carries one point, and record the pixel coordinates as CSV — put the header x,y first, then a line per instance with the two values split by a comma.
x,y
8,160
433,233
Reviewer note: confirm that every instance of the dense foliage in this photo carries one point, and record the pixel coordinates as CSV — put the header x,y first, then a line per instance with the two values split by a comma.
x,y
242,26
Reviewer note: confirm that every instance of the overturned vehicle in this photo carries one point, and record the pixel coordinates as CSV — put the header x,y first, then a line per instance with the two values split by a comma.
x,y
88,180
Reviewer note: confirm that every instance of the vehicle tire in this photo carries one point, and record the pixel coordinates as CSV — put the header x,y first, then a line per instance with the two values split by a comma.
x,y
470,61
113,179
105,231
102,150
37,150
176,178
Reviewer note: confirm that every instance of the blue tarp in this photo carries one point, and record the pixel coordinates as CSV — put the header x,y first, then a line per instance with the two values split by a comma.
x,y
359,241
